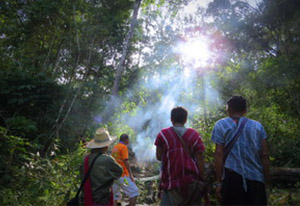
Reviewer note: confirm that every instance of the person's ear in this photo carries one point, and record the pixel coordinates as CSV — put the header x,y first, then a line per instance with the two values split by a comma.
x,y
229,112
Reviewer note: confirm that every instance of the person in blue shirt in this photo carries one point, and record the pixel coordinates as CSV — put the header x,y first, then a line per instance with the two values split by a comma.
x,y
241,177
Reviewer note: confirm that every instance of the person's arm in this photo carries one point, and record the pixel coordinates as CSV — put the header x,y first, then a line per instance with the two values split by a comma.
x,y
128,169
264,156
158,153
116,170
219,153
199,157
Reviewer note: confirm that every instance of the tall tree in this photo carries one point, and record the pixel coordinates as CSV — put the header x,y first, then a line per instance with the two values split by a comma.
x,y
120,65
262,64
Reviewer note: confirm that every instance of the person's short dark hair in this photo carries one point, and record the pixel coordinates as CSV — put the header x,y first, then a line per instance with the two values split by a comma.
x,y
237,104
179,115
124,137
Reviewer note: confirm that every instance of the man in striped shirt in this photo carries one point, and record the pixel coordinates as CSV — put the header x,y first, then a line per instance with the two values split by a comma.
x,y
241,177
182,169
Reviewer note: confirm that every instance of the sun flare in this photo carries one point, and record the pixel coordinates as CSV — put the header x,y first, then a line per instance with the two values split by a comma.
x,y
194,52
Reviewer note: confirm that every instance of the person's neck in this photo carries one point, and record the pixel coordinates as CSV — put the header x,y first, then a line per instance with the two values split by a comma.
x,y
99,150
125,143
178,125
235,115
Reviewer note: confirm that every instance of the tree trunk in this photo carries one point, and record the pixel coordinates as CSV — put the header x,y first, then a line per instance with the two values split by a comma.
x,y
61,120
120,66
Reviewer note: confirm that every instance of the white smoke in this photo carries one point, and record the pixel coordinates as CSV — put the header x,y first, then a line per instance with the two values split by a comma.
x,y
173,89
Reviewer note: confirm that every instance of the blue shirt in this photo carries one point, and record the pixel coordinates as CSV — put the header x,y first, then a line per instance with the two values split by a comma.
x,y
244,157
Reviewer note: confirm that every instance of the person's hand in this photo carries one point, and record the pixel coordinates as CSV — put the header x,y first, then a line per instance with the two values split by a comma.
x,y
206,200
206,195
218,192
131,177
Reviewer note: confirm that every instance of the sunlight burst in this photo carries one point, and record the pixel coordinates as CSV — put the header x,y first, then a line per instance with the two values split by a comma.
x,y
194,53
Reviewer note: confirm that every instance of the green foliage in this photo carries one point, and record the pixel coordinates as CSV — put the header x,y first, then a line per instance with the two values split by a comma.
x,y
283,196
29,179
13,152
282,133
28,103
21,125
205,127
57,60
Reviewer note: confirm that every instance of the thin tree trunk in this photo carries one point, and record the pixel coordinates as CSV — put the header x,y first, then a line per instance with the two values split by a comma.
x,y
120,66
79,89
70,80
57,126
48,53
55,67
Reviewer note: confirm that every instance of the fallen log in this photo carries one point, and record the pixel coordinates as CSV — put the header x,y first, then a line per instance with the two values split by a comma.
x,y
277,175
281,174
145,179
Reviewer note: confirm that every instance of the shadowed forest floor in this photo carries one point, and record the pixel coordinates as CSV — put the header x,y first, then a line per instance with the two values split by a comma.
x,y
147,177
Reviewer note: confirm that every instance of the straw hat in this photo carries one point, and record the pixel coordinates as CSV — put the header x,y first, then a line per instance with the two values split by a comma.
x,y
102,139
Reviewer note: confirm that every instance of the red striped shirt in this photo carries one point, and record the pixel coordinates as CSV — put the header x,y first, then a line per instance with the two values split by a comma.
x,y
178,168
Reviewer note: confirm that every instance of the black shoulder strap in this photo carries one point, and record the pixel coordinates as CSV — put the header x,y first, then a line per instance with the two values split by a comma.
x,y
87,175
228,148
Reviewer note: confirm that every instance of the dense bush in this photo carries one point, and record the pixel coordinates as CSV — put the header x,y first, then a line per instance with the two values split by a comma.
x,y
29,179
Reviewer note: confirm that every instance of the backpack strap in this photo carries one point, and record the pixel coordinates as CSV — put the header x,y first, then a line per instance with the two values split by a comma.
x,y
87,175
230,145
185,147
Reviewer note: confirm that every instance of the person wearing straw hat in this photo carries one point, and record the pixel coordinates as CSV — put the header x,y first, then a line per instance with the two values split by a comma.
x,y
97,188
